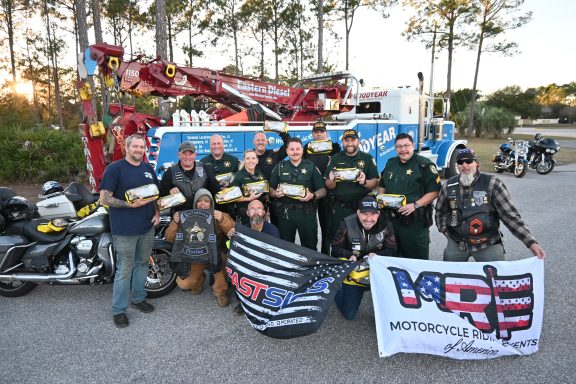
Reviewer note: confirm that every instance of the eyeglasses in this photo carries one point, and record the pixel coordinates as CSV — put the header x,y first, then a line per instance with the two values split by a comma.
x,y
405,146
467,161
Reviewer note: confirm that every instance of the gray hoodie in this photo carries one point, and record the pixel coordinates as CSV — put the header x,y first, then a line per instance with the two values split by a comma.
x,y
203,192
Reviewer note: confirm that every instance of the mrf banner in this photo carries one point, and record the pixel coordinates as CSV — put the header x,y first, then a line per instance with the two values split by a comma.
x,y
457,310
285,289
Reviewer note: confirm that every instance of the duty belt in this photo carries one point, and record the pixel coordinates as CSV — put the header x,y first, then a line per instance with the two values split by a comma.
x,y
352,204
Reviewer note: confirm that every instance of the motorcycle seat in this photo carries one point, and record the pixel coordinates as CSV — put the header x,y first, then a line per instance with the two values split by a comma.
x,y
28,228
80,196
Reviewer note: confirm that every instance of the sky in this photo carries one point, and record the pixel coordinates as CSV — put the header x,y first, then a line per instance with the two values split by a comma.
x,y
547,55
383,57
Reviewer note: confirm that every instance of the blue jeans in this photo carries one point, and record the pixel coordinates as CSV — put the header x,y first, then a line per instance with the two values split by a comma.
x,y
132,255
348,299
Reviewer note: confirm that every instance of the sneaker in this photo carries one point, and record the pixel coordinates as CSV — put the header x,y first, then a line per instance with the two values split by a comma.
x,y
222,300
143,306
120,320
238,310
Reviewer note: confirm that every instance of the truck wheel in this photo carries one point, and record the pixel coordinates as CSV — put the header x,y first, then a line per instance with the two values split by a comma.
x,y
452,169
16,288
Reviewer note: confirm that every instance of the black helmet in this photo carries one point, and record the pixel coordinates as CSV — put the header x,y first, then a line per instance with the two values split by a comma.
x,y
18,208
51,187
538,136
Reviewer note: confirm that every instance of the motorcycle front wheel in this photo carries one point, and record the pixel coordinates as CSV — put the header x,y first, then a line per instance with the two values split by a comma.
x,y
161,276
545,167
16,288
520,170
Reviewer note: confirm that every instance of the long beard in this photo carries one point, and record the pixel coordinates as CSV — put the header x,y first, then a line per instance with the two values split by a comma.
x,y
466,179
256,220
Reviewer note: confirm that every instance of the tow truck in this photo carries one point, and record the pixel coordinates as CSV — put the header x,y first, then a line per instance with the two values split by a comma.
x,y
247,105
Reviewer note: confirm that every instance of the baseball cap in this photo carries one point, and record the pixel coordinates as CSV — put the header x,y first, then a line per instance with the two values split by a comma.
x,y
319,126
350,133
187,146
368,204
466,153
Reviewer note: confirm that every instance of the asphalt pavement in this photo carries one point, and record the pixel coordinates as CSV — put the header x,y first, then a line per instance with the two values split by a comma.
x,y
64,334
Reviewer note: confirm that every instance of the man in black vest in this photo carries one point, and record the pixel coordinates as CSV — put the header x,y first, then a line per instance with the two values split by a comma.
x,y
365,233
469,210
188,176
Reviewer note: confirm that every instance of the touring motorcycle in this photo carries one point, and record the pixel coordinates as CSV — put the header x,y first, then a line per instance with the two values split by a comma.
x,y
512,158
541,153
38,250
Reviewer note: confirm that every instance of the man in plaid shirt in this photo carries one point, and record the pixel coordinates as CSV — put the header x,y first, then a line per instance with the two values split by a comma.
x,y
469,209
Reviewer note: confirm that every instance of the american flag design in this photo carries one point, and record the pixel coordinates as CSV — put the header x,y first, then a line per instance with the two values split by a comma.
x,y
458,310
285,290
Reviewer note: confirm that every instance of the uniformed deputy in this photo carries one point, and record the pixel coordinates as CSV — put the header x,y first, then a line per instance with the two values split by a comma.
x,y
319,152
219,163
415,177
268,158
344,195
301,180
246,175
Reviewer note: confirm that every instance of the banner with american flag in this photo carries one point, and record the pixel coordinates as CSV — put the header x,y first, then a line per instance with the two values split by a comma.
x,y
284,289
458,310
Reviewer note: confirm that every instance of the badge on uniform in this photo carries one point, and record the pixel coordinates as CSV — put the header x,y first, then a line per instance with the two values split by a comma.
x,y
361,164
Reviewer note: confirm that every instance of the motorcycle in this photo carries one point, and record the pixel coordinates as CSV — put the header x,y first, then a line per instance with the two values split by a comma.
x,y
512,158
80,252
56,202
541,153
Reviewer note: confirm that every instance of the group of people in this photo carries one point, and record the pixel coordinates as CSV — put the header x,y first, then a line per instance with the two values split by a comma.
x,y
318,183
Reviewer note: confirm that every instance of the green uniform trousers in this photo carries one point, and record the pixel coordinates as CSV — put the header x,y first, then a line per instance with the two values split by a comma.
x,y
336,213
292,220
413,239
323,211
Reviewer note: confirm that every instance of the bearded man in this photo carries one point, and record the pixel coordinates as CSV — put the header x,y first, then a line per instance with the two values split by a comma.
x,y
469,210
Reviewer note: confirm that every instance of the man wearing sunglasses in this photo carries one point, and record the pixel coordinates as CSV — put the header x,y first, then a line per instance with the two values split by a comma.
x,y
469,210
415,177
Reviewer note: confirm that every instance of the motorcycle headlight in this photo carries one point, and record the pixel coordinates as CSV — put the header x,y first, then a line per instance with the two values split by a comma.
x,y
552,151
548,150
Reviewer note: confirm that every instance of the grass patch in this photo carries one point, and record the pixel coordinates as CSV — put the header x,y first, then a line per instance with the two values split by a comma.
x,y
487,148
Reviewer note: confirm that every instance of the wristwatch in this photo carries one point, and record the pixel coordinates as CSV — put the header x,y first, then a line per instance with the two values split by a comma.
x,y
416,205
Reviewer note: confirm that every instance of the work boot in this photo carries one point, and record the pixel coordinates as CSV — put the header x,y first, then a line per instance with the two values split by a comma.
x,y
238,310
143,306
120,320
222,300
197,290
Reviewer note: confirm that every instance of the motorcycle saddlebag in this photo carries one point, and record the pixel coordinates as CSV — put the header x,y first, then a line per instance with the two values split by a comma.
x,y
7,242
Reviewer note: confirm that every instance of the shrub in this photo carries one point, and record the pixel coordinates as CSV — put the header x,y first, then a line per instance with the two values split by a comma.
x,y
495,120
40,154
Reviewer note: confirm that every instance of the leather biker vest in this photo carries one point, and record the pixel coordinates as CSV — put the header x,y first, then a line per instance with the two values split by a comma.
x,y
188,186
473,217
362,243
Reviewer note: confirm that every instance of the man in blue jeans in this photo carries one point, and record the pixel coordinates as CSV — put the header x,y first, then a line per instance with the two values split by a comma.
x,y
365,233
132,227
